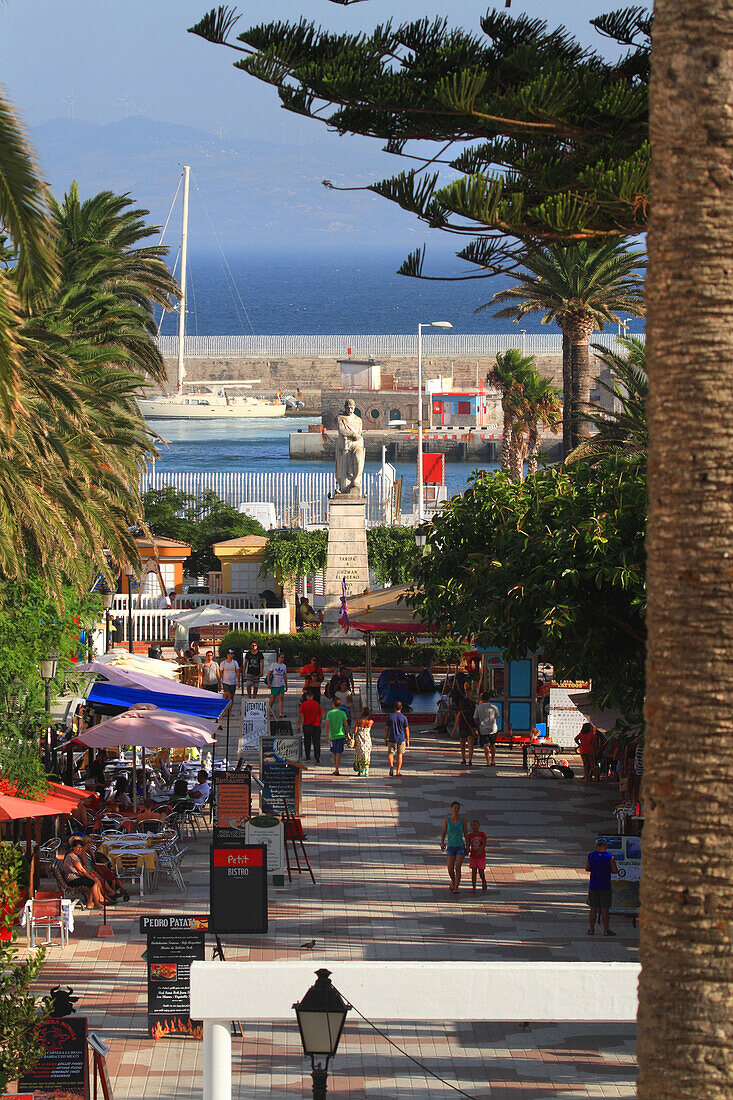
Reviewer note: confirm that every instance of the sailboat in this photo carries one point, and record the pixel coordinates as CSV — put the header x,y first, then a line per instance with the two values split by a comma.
x,y
204,400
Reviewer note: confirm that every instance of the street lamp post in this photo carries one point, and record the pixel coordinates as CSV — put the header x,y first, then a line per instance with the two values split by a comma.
x,y
420,494
130,574
321,1017
108,599
48,672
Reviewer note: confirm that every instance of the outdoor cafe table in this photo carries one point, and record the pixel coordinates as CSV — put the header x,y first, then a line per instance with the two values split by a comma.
x,y
146,858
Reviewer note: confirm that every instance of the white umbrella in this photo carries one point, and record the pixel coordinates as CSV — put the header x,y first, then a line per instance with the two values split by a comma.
x,y
211,614
135,662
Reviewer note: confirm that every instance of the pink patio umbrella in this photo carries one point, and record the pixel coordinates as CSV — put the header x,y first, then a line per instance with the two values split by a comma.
x,y
148,727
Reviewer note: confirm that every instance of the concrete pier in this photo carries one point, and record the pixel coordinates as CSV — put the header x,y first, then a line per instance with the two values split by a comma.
x,y
458,445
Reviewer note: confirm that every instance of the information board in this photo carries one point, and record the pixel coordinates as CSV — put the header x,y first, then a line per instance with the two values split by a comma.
x,y
563,718
62,1071
254,722
232,805
238,889
173,944
280,779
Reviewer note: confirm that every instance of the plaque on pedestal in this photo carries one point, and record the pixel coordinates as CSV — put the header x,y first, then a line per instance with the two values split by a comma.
x,y
346,561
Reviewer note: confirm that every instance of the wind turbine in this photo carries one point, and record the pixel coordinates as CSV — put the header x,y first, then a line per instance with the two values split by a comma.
x,y
127,102
70,101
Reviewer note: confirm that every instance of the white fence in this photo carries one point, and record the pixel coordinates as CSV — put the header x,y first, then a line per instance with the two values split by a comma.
x,y
299,498
153,624
380,347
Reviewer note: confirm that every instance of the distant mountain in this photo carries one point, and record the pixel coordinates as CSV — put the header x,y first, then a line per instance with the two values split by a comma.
x,y
255,192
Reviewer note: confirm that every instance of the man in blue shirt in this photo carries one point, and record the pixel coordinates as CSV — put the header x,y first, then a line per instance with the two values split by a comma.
x,y
396,737
601,866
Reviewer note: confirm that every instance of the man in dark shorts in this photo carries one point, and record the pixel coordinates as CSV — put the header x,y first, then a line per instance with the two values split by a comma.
x,y
487,717
254,662
601,866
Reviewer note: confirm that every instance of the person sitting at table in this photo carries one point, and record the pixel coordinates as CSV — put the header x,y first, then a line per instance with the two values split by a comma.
x,y
96,771
90,808
120,797
201,789
100,867
180,801
76,873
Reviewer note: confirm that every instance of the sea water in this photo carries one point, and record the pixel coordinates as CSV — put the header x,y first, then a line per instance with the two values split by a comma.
x,y
245,445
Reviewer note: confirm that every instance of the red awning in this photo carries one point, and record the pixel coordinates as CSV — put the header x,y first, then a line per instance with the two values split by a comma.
x,y
56,803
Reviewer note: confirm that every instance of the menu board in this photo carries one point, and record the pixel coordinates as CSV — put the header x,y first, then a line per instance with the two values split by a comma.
x,y
62,1071
232,805
254,722
238,889
564,720
279,776
171,950
625,886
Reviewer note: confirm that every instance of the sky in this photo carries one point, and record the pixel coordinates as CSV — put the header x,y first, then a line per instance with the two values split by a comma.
x,y
101,58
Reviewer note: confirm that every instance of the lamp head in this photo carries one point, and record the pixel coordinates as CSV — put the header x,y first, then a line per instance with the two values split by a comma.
x,y
441,324
321,1016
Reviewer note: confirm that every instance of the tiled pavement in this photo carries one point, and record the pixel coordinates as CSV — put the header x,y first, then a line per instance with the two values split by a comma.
x,y
381,893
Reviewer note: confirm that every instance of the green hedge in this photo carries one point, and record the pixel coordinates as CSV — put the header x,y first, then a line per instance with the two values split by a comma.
x,y
389,650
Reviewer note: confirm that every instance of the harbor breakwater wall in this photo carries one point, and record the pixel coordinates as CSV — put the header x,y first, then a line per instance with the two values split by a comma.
x,y
458,445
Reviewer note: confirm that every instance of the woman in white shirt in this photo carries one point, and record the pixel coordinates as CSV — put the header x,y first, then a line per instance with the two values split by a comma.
x,y
278,680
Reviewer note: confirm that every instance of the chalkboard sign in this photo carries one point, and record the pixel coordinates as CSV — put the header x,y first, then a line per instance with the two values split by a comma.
x,y
171,950
62,1071
232,805
238,889
279,774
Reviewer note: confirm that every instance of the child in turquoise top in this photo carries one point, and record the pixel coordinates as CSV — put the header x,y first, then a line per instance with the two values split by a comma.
x,y
456,835
338,730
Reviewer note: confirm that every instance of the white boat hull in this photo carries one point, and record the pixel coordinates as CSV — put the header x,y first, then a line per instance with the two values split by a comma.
x,y
173,409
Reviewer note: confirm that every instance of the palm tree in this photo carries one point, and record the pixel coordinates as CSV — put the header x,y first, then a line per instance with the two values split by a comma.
x,y
507,375
582,287
623,428
541,406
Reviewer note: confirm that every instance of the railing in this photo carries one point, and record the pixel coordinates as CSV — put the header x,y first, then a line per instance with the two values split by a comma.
x,y
300,498
153,624
337,347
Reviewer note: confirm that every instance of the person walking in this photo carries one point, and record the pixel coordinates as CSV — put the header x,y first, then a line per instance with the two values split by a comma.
x,y
310,716
312,674
477,855
338,730
601,865
363,742
454,841
253,662
229,675
464,723
209,673
396,738
278,678
586,742
486,717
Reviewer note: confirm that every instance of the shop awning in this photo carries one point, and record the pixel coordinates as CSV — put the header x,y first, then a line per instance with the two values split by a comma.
x,y
385,611
150,727
15,808
199,704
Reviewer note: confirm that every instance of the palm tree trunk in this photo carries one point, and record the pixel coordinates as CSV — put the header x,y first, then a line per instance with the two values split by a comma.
x,y
532,450
579,330
567,396
506,439
686,988
516,461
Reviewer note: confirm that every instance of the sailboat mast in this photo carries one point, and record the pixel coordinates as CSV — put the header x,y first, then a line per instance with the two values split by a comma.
x,y
184,264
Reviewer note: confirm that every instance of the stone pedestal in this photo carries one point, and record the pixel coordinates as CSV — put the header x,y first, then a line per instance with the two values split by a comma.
x,y
347,557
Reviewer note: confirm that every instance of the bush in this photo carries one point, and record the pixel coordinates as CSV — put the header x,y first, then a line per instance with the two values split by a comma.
x,y
389,650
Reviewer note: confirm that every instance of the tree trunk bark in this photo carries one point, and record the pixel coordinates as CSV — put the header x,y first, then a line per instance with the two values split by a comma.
x,y
567,396
578,329
516,461
686,988
506,441
532,450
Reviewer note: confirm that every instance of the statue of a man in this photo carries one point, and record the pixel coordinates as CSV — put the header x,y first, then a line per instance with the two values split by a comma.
x,y
349,451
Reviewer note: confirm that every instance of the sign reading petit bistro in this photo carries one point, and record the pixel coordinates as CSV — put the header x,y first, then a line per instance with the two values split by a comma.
x,y
238,889
62,1071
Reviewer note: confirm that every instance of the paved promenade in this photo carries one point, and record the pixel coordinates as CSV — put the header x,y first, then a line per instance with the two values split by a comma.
x,y
382,893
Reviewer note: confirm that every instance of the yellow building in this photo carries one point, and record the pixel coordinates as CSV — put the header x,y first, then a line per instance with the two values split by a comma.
x,y
163,561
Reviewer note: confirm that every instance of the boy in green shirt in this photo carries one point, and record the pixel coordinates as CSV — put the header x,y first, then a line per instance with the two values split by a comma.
x,y
338,730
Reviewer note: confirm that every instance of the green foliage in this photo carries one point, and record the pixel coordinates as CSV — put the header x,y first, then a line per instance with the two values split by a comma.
x,y
33,625
14,874
623,430
549,136
553,564
292,554
19,1012
200,521
388,649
